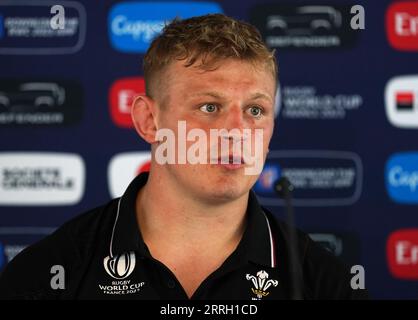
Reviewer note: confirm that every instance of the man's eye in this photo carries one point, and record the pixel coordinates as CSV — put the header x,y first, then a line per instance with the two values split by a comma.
x,y
255,111
208,108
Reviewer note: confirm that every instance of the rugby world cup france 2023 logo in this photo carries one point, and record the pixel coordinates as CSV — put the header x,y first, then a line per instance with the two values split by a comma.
x,y
120,266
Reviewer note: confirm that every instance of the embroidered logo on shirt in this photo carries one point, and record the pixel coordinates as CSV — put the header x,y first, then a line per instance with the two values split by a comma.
x,y
120,266
261,283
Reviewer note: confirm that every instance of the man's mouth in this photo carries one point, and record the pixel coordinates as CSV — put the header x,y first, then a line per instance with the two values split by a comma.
x,y
229,162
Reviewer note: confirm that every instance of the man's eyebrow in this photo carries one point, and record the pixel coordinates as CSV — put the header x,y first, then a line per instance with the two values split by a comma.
x,y
212,94
260,95
216,95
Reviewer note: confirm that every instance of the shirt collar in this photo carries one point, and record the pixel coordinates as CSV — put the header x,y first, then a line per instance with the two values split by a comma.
x,y
126,235
257,244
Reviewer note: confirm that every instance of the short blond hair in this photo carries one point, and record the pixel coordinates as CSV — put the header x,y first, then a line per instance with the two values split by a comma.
x,y
208,40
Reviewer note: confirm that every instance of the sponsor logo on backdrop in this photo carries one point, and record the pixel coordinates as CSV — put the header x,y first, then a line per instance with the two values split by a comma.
x,y
402,177
14,239
305,102
41,178
25,28
40,103
121,95
320,178
401,101
402,25
133,25
304,26
402,254
124,167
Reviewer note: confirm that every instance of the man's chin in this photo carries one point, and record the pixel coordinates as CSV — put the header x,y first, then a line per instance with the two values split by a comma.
x,y
227,190
226,196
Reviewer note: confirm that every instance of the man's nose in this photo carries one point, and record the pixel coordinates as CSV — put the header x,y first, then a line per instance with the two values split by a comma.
x,y
234,123
234,119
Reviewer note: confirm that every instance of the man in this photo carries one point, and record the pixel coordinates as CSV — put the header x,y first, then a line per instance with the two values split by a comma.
x,y
187,229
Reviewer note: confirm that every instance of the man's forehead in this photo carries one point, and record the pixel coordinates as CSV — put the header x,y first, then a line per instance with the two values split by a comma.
x,y
231,71
219,66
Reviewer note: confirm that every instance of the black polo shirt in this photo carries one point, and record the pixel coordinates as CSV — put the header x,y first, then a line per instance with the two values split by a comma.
x,y
104,256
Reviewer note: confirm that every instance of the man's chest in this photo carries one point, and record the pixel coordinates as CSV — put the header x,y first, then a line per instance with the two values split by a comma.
x,y
128,276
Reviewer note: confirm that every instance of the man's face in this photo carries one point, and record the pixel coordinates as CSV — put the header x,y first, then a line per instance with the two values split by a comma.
x,y
237,95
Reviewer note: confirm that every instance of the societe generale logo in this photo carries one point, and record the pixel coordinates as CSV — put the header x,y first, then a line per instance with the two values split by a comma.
x,y
402,254
124,167
121,96
401,100
402,25
41,178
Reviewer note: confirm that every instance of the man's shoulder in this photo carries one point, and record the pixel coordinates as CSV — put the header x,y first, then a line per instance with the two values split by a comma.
x,y
77,234
28,274
323,274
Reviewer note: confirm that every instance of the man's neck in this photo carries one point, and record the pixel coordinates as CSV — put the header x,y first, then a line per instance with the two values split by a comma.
x,y
183,220
190,238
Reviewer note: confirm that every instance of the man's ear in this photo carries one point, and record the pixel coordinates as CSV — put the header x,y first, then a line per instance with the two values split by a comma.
x,y
143,114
